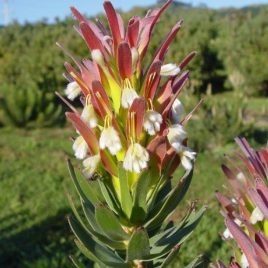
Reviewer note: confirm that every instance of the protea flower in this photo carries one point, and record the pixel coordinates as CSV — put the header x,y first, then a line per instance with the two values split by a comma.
x,y
246,207
131,136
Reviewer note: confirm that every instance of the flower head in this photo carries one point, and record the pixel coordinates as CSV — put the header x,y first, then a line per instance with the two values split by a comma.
x,y
110,139
136,158
128,108
80,147
72,90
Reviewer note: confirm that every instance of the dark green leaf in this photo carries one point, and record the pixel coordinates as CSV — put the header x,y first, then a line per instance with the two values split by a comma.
x,y
139,211
126,199
92,250
110,224
138,247
171,202
98,237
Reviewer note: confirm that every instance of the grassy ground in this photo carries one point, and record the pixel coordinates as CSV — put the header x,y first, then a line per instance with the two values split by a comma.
x,y
33,207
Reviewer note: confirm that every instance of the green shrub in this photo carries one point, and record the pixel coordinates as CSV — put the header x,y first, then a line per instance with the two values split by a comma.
x,y
28,107
218,120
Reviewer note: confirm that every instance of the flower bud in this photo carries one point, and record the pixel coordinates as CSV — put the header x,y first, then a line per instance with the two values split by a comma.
x,y
176,111
89,116
80,147
72,90
170,69
110,139
187,156
176,135
152,122
128,96
136,158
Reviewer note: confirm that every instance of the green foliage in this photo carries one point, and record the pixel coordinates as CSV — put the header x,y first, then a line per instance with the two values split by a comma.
x,y
28,107
217,121
112,238
242,47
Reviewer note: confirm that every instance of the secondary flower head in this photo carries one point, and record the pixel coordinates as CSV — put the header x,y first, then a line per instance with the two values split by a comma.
x,y
72,90
109,139
136,158
80,147
246,218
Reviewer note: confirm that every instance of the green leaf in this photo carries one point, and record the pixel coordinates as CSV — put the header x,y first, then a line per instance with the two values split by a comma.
x,y
98,237
110,224
126,199
160,213
89,211
82,186
171,256
139,211
138,247
176,235
92,250
109,197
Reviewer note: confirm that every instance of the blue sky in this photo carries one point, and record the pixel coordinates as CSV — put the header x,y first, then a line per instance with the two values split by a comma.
x,y
33,10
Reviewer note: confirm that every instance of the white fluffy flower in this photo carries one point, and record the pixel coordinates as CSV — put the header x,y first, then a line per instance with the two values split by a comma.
x,y
136,158
170,69
187,156
72,90
227,234
89,116
176,111
256,216
109,138
176,135
90,165
152,122
128,96
80,148
244,261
